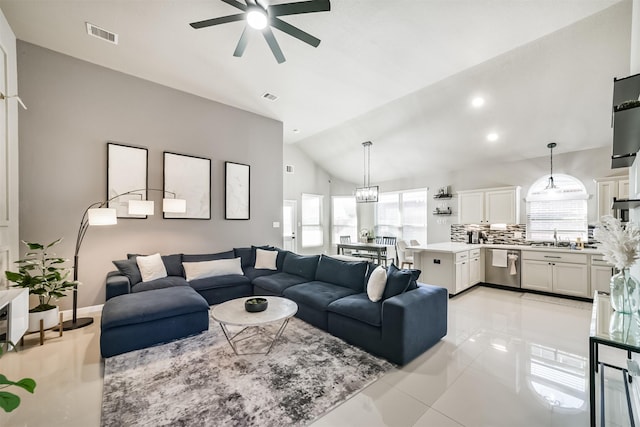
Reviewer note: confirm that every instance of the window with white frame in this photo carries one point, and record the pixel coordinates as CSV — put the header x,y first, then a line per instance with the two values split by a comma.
x,y
344,218
561,211
388,221
312,233
403,215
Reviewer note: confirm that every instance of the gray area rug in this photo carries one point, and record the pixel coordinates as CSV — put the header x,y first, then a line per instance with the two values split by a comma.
x,y
199,381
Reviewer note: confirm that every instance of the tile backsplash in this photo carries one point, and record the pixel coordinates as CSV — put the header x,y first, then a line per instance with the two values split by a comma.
x,y
505,237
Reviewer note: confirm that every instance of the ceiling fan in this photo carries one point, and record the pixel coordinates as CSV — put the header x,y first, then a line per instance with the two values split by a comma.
x,y
263,17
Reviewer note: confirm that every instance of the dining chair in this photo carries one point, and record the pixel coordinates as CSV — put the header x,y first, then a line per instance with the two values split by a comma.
x,y
391,252
404,255
346,239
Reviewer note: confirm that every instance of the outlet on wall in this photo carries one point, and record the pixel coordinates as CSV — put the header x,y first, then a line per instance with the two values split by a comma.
x,y
517,234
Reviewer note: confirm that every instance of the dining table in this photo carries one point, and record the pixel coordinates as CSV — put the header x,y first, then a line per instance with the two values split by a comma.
x,y
378,248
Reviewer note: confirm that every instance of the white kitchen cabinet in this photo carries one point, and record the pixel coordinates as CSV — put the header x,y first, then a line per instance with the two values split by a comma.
x,y
451,270
489,206
537,275
607,189
556,272
601,272
475,271
471,207
462,271
570,279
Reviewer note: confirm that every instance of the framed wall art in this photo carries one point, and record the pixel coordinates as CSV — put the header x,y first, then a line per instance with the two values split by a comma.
x,y
126,171
236,192
189,177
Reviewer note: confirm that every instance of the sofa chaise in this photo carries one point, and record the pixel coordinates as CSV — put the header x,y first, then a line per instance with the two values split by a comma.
x,y
331,294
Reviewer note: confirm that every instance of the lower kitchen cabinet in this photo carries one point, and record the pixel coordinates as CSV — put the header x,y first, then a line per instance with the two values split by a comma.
x,y
601,272
475,270
559,273
454,271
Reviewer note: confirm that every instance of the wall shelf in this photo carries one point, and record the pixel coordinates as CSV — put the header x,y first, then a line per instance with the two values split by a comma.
x,y
443,196
447,211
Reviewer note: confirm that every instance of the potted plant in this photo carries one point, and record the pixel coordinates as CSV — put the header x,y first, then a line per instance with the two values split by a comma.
x,y
44,275
10,401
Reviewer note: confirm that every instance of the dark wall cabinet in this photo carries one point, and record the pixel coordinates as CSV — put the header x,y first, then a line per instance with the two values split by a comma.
x,y
626,121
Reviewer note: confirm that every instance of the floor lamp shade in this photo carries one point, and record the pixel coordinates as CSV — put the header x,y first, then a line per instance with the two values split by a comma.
x,y
102,216
174,205
141,207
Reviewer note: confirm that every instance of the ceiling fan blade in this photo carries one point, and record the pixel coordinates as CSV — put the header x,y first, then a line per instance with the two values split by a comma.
x,y
273,44
242,43
236,4
295,32
217,21
300,7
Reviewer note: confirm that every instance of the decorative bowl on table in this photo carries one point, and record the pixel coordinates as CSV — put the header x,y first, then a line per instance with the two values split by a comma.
x,y
256,305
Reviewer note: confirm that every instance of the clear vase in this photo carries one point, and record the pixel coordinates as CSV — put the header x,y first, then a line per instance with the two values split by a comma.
x,y
625,292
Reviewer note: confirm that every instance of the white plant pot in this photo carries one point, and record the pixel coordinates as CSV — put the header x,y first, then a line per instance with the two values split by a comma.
x,y
50,317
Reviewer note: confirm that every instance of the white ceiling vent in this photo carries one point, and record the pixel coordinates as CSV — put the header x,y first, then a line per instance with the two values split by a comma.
x,y
288,169
269,96
101,33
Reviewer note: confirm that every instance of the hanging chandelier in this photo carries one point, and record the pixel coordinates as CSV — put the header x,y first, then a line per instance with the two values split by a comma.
x,y
551,185
367,193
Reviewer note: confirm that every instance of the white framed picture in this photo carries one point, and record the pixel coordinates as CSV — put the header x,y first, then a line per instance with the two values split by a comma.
x,y
189,177
126,172
237,191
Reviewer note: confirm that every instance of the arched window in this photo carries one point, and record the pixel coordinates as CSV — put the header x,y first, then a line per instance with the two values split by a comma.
x,y
562,210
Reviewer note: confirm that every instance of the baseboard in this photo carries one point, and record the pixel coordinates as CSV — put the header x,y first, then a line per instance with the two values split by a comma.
x,y
83,311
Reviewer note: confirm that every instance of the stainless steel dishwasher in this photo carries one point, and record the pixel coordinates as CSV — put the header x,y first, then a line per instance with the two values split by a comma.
x,y
506,272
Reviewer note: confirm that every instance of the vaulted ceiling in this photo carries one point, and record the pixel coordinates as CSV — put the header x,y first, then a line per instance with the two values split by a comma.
x,y
400,73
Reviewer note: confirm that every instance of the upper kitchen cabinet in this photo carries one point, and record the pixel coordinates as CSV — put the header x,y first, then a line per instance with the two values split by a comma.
x,y
489,206
607,189
626,120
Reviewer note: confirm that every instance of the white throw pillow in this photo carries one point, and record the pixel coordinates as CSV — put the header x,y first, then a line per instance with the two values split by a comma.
x,y
266,259
151,267
376,284
217,267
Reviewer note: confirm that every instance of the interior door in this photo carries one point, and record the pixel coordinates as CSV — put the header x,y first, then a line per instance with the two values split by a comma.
x,y
289,221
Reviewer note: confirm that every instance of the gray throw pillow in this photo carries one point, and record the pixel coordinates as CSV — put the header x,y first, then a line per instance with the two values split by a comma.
x,y
397,282
129,268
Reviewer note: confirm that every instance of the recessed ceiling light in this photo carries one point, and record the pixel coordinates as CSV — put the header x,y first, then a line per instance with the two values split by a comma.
x,y
492,137
477,102
296,131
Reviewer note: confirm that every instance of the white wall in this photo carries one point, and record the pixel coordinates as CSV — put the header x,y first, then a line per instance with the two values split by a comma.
x,y
9,215
584,165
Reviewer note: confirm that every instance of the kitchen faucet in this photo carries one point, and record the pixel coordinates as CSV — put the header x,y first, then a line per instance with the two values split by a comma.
x,y
555,237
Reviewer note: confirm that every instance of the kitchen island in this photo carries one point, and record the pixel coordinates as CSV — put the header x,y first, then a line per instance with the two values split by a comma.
x,y
554,270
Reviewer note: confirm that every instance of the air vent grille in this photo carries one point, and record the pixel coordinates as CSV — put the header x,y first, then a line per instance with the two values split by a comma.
x,y
101,33
269,96
288,169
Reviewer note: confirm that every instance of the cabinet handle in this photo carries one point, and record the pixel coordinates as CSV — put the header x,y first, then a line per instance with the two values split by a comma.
x,y
554,257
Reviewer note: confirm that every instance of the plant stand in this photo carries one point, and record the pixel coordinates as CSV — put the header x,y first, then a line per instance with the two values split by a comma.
x,y
42,330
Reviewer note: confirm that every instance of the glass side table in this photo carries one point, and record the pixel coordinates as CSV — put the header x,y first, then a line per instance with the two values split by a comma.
x,y
611,329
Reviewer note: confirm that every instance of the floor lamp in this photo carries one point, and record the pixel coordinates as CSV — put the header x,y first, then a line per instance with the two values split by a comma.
x,y
99,213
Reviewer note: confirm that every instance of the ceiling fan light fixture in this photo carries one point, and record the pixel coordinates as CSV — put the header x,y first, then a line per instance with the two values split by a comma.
x,y
257,18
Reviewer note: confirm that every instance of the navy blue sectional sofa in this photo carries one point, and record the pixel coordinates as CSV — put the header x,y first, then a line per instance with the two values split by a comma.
x,y
330,293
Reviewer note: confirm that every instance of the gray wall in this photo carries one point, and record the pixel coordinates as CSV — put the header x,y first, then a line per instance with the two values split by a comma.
x,y
76,107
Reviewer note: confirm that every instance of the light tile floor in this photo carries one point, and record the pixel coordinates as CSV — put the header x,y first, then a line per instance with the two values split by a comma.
x,y
509,359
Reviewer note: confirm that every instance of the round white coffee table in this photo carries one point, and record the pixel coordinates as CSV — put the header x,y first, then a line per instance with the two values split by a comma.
x,y
233,313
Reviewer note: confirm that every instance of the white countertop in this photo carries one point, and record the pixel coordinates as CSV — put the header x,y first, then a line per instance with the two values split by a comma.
x,y
453,247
